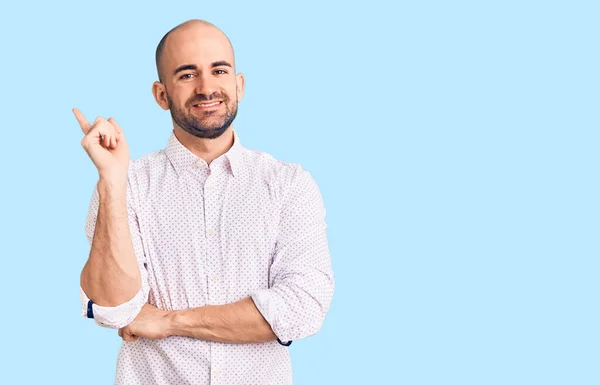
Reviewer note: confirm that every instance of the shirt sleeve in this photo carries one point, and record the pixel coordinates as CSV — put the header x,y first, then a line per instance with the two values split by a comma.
x,y
301,281
123,314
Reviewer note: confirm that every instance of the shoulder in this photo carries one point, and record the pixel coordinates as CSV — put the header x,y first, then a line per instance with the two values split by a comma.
x,y
275,170
289,179
148,162
147,167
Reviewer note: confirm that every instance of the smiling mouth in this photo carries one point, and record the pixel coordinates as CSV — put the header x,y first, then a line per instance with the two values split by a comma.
x,y
207,105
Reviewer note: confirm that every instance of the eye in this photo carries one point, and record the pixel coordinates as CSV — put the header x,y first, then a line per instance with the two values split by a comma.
x,y
186,76
220,72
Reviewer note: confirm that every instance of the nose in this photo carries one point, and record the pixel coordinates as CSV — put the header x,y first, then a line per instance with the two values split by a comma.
x,y
205,85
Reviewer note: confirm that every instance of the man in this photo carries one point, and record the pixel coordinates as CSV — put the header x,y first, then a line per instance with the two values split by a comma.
x,y
208,257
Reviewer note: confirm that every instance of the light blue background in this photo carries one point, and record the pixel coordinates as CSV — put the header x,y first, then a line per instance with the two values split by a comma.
x,y
455,145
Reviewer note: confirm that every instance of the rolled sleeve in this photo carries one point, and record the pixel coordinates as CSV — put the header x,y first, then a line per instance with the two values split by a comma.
x,y
114,317
301,279
123,314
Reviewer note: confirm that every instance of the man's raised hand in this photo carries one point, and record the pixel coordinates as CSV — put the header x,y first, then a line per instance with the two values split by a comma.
x,y
105,144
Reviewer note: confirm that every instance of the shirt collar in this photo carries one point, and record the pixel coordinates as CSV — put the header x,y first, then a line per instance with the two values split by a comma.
x,y
181,158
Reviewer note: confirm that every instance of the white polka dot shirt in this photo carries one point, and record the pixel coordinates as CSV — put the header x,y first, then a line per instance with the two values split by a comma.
x,y
245,225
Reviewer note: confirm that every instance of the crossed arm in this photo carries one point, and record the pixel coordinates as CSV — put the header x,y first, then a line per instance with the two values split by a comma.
x,y
239,322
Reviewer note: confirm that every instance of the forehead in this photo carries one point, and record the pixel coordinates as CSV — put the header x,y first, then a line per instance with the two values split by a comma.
x,y
199,46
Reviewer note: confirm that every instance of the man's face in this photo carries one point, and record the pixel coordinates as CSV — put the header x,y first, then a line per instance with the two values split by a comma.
x,y
200,81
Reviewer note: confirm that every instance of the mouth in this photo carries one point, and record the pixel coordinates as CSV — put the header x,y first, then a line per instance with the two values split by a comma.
x,y
207,105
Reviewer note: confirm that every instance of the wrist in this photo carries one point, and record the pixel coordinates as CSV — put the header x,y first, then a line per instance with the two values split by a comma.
x,y
112,186
173,323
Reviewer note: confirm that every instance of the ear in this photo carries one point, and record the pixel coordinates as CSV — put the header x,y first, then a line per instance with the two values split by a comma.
x,y
160,95
240,82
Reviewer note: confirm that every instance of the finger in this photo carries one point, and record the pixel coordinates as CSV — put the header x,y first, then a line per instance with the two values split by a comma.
x,y
117,127
96,131
118,130
121,332
102,132
85,125
106,141
124,333
127,336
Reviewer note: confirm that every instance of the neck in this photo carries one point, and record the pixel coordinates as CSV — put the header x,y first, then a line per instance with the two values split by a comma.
x,y
207,149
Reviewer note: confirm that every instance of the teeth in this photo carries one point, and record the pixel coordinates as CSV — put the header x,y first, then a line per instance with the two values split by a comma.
x,y
208,105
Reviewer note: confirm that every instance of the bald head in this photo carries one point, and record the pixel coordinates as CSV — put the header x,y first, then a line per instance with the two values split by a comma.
x,y
194,32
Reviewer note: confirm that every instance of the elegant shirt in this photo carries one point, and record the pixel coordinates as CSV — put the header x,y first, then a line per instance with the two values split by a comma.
x,y
245,225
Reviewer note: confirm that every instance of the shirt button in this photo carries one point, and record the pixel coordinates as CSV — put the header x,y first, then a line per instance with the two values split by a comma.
x,y
199,163
213,277
215,372
212,232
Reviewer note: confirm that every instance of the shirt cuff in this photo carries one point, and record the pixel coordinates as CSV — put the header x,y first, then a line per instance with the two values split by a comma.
x,y
266,305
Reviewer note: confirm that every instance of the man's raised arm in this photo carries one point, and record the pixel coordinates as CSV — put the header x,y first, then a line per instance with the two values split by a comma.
x,y
111,280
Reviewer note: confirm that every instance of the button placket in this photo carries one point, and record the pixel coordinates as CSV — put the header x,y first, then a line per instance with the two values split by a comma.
x,y
212,236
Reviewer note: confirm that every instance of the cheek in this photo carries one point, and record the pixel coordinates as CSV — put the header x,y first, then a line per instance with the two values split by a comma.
x,y
228,87
180,94
182,98
232,93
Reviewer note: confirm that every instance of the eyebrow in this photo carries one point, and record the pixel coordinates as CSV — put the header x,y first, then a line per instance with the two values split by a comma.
x,y
185,67
220,64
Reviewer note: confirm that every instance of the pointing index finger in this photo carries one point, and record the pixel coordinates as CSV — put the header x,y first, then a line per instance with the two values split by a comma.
x,y
85,125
